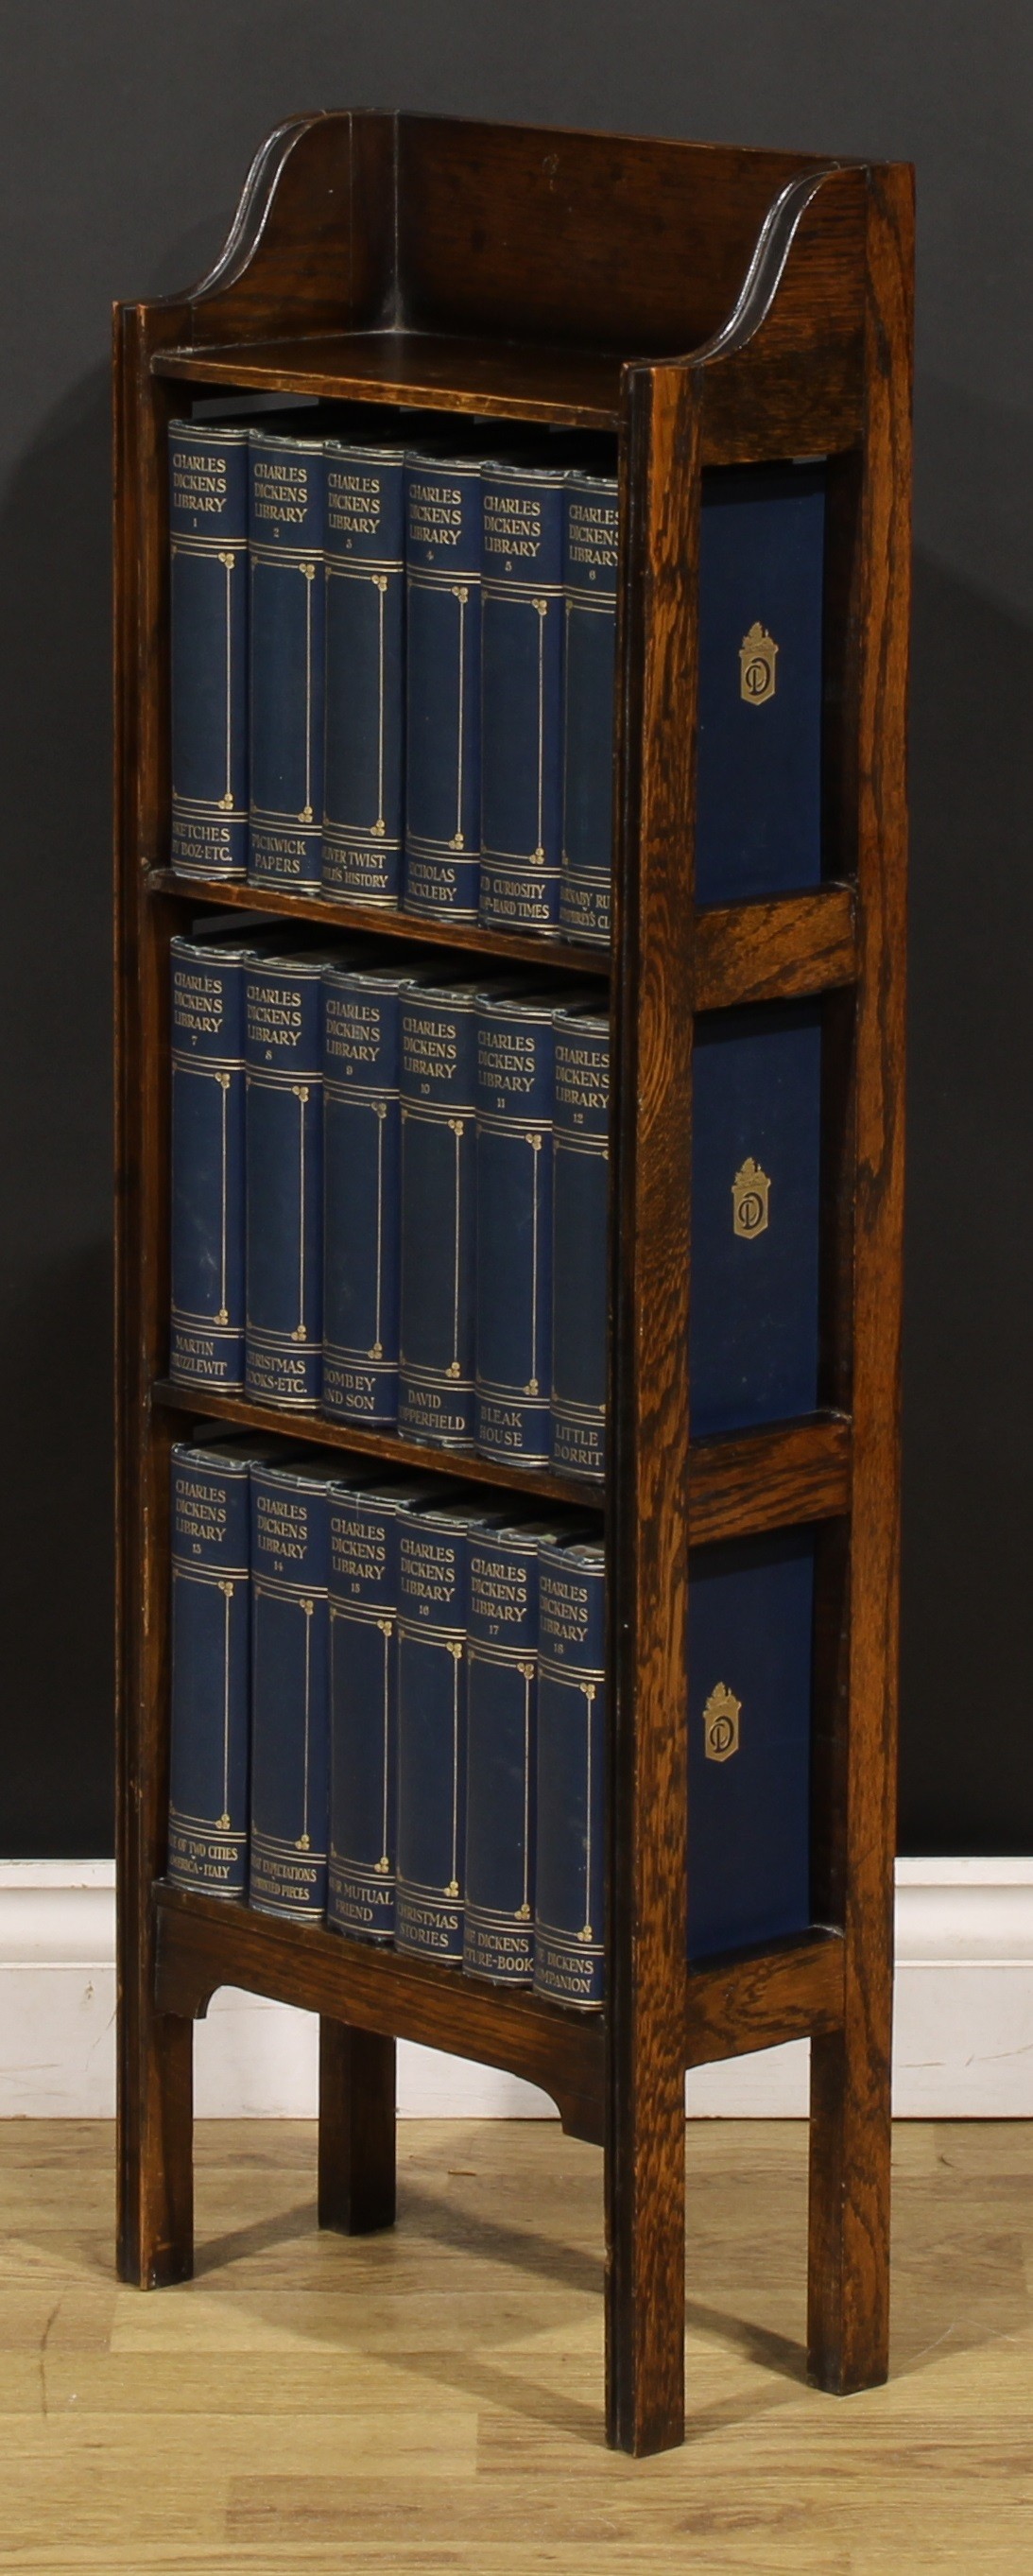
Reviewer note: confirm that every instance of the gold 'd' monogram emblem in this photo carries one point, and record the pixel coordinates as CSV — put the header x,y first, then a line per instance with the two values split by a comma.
x,y
757,654
721,1724
751,1190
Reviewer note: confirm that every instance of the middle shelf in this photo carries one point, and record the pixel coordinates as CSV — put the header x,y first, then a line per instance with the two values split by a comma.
x,y
741,1482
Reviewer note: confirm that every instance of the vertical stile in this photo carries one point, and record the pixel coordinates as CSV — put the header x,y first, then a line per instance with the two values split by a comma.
x,y
850,2071
155,2087
649,1411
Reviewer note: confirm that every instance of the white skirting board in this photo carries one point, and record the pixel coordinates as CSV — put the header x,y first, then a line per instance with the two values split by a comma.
x,y
964,2016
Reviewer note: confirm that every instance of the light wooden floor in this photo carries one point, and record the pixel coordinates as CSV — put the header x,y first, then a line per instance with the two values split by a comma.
x,y
430,2401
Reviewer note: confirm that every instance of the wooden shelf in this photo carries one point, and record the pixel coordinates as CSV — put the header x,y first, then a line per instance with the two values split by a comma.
x,y
558,386
742,1482
779,950
348,920
710,306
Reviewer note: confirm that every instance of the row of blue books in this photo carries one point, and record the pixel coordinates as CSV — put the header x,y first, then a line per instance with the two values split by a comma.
x,y
389,1199
393,674
389,1711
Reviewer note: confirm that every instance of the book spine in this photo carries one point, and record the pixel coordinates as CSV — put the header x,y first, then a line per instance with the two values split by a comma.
x,y
284,1253
513,1267
285,535
758,771
751,1612
431,1736
208,1726
569,1963
363,1715
590,619
443,688
501,1696
756,1159
206,1340
438,1241
522,617
580,1191
208,648
289,1694
365,604
361,1164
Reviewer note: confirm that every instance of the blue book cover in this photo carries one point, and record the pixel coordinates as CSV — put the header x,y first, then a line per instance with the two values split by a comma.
x,y
438,1085
285,538
284,1178
361,1189
761,580
441,870
590,620
513,1331
569,1950
206,1342
208,648
522,615
364,1705
365,672
753,1330
751,1612
580,1201
501,1750
290,1693
210,1664
432,1619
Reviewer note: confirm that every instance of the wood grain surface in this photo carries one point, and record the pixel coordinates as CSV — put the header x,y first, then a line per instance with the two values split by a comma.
x,y
428,2401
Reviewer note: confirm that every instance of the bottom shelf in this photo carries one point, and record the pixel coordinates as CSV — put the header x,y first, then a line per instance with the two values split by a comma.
x,y
753,1999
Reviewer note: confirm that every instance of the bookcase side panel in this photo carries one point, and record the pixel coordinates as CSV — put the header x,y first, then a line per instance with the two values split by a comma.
x,y
649,1496
311,246
155,2053
850,2074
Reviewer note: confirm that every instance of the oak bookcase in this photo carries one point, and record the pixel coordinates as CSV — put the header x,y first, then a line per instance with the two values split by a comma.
x,y
711,306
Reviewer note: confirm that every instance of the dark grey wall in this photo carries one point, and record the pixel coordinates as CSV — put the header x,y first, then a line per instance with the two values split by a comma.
x,y
128,131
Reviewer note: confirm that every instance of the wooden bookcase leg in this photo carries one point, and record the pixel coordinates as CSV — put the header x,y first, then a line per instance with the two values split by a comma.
x,y
848,2294
156,2161
356,2129
645,2276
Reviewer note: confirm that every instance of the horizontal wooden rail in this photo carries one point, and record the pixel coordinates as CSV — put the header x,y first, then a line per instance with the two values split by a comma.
x,y
775,951
535,1481
551,955
500,379
793,1991
204,1943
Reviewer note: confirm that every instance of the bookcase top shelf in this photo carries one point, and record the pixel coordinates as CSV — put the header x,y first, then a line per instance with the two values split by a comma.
x,y
558,387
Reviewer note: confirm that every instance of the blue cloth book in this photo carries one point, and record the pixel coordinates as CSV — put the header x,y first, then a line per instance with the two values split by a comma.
x,y
513,1331
208,976
443,686
284,1229
438,1087
501,1750
290,1695
580,1200
211,1663
753,1329
761,580
364,1705
751,1616
208,647
365,672
285,536
432,1617
361,1189
569,1949
590,619
522,613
